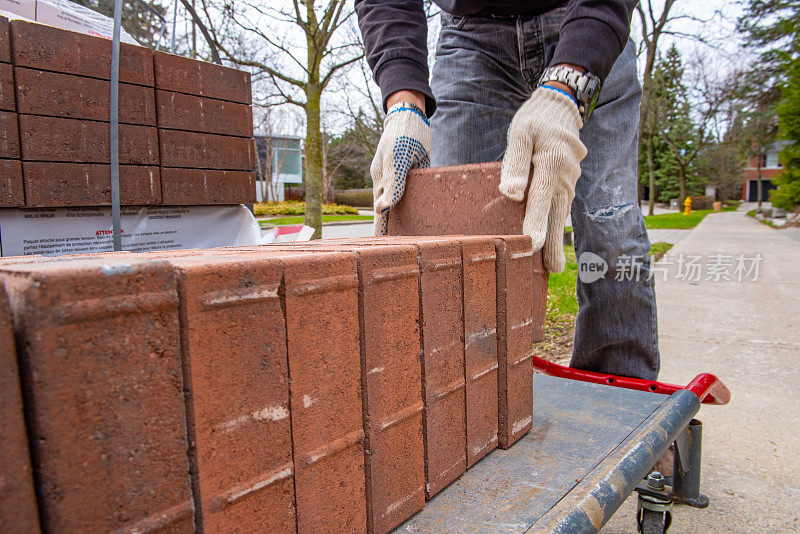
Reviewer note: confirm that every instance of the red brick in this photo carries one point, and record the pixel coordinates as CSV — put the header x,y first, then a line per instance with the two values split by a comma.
x,y
81,141
49,184
203,186
7,101
514,337
321,310
480,346
184,75
205,151
18,512
462,199
391,382
9,135
47,48
99,339
443,362
391,377
234,350
178,111
12,192
443,356
5,41
78,97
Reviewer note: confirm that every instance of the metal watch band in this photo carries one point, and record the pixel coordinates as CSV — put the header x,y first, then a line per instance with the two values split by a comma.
x,y
585,85
408,105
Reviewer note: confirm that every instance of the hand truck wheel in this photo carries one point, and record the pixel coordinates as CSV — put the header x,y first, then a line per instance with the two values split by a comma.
x,y
652,522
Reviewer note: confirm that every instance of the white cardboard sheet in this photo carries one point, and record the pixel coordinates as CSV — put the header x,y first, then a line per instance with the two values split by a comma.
x,y
57,231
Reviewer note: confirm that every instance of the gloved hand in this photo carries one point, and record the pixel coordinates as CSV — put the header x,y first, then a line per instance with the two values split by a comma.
x,y
404,145
544,135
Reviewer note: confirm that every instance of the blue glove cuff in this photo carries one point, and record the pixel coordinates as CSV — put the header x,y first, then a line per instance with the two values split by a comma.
x,y
405,108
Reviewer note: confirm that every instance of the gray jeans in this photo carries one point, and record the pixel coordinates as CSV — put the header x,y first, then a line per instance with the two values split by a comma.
x,y
485,70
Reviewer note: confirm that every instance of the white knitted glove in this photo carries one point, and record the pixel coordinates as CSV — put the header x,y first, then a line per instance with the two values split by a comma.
x,y
544,135
404,145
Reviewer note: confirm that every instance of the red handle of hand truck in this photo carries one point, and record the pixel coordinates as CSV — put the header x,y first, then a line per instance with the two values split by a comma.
x,y
708,388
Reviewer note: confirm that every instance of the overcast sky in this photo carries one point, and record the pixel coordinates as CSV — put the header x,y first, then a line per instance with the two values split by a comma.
x,y
719,31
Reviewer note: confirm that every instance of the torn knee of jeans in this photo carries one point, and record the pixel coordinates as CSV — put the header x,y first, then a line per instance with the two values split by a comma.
x,y
610,213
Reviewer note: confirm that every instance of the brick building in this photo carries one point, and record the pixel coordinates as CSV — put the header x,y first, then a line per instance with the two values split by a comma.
x,y
770,167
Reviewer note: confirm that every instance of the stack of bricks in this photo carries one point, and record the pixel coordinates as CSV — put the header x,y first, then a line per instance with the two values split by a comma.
x,y
55,113
12,193
205,130
327,386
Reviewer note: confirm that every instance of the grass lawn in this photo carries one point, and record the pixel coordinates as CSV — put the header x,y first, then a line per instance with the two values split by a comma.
x,y
561,298
752,213
657,250
679,221
298,219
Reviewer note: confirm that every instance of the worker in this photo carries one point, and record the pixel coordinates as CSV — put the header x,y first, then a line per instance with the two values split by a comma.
x,y
549,86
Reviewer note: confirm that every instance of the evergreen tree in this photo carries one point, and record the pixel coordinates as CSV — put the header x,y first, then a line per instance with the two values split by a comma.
x,y
773,27
787,196
673,132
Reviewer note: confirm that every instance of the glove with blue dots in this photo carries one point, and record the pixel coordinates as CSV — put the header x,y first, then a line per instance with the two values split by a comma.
x,y
404,145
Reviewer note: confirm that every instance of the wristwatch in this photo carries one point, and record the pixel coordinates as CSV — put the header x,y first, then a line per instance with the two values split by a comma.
x,y
585,85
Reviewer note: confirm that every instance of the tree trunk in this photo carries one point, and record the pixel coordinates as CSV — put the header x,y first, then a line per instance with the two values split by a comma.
x,y
326,176
651,172
682,183
313,150
644,111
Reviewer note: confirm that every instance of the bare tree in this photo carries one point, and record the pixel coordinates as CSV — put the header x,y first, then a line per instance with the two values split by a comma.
x,y
654,25
264,38
705,98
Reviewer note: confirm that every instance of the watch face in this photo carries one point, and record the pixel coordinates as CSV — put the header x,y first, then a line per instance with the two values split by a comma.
x,y
592,102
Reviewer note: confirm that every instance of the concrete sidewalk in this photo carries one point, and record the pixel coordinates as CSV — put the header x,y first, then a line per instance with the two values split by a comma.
x,y
354,230
748,334
666,235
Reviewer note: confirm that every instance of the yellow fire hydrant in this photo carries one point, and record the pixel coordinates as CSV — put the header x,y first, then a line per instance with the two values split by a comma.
x,y
687,206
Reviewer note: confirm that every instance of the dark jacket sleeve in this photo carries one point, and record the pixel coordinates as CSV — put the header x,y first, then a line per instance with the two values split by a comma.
x,y
594,33
395,34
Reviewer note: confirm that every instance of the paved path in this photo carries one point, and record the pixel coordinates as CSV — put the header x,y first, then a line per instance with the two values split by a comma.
x,y
331,231
748,334
351,231
667,236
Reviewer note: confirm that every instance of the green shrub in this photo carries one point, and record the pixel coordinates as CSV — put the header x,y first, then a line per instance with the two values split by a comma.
x,y
361,198
338,209
293,207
